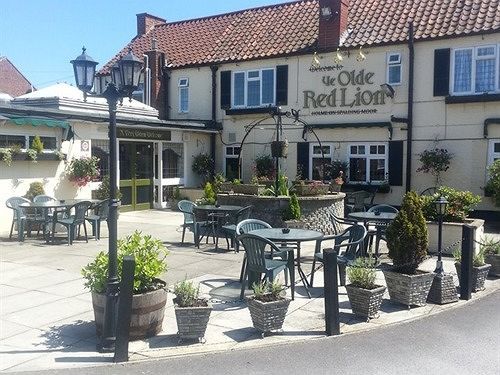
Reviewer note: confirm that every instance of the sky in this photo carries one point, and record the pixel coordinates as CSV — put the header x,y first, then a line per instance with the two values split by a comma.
x,y
40,37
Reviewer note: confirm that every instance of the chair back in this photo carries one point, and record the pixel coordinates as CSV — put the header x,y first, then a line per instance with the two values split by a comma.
x,y
81,209
355,236
102,209
187,207
43,198
356,200
248,225
383,208
255,250
340,223
13,203
242,214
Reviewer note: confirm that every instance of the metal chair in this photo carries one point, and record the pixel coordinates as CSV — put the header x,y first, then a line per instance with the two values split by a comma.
x,y
19,215
358,200
378,232
101,213
258,263
229,229
355,237
341,223
73,222
199,228
42,216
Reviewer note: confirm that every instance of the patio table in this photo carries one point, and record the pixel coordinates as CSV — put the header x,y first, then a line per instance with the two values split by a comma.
x,y
380,219
294,235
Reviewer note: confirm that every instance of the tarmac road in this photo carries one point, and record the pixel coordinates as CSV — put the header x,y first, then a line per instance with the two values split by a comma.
x,y
463,340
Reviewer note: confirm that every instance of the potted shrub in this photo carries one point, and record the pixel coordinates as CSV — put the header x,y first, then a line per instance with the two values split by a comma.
x,y
407,244
37,144
36,188
150,294
191,312
491,250
82,171
479,269
492,187
291,215
209,196
203,165
364,295
268,307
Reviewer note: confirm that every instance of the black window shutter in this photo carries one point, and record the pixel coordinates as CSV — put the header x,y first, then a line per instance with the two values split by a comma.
x,y
225,89
396,163
282,85
441,72
303,159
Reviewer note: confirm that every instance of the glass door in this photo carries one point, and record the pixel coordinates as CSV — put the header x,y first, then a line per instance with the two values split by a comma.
x,y
136,175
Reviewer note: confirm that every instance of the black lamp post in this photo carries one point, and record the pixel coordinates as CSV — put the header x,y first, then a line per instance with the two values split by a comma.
x,y
124,81
441,205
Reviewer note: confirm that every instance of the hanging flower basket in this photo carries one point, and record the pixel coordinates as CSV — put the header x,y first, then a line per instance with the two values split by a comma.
x,y
279,149
82,171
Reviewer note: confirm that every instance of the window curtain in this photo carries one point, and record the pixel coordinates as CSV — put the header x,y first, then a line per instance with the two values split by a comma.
x,y
463,70
485,75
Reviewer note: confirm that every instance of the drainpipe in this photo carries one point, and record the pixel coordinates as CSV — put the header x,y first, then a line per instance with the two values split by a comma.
x,y
409,138
214,69
146,90
166,92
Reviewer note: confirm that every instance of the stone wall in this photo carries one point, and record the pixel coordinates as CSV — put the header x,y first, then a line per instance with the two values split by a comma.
x,y
315,211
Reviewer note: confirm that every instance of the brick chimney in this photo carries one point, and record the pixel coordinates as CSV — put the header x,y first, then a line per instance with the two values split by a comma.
x,y
332,22
146,22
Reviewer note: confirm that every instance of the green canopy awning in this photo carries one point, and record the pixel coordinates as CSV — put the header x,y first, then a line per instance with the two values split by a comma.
x,y
39,121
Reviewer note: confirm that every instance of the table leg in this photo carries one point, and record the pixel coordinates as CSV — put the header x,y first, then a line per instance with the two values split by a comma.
x,y
302,274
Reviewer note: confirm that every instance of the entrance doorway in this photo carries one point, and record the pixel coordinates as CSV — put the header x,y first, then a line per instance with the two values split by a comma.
x,y
136,175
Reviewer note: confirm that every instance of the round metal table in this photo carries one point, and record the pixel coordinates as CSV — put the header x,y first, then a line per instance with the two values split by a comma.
x,y
218,214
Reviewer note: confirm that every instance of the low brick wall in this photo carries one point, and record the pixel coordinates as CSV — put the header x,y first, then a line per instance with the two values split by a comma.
x,y
315,210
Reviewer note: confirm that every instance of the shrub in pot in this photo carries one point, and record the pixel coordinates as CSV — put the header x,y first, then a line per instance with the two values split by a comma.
x,y
191,312
36,188
150,295
267,306
364,295
480,269
492,187
491,250
460,204
407,244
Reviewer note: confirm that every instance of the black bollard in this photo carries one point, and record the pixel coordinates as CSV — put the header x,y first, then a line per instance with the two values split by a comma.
x,y
124,309
331,290
466,262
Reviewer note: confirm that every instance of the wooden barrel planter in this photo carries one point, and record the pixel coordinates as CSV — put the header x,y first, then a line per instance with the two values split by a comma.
x,y
148,310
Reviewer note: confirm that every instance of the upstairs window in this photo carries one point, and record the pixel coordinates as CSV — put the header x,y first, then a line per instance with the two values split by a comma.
x,y
368,163
394,68
253,88
183,95
475,70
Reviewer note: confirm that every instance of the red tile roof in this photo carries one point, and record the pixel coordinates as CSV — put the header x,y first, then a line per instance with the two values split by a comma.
x,y
293,28
12,81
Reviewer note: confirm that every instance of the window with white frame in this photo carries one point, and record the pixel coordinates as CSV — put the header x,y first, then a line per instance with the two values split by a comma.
x,y
320,161
475,70
368,162
173,160
394,68
24,142
100,149
493,151
231,154
254,88
183,95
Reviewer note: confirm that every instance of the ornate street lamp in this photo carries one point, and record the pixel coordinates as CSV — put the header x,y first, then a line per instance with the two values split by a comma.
x,y
129,70
441,205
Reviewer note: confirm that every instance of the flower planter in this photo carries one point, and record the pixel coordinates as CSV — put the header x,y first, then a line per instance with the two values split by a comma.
x,y
226,187
410,290
250,189
479,275
365,302
192,321
146,319
452,235
311,189
268,316
298,224
279,149
494,260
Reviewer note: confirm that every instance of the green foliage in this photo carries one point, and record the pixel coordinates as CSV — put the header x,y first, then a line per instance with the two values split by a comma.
x,y
283,189
236,181
209,196
149,254
36,188
266,291
477,260
407,235
219,179
435,162
82,171
16,148
493,184
186,294
264,167
32,154
460,204
490,246
37,144
293,210
6,156
203,166
362,273
102,191
177,193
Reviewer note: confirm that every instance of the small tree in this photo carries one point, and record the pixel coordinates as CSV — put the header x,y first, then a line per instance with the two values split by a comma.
x,y
37,144
209,196
435,162
293,210
203,165
36,188
493,185
407,235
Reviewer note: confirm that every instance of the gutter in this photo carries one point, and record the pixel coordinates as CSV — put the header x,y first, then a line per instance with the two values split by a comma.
x,y
411,66
213,144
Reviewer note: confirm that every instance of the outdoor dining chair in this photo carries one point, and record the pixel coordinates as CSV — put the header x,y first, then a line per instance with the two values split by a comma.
x,y
358,201
258,263
99,214
42,216
379,228
73,222
229,229
355,237
340,223
200,228
19,216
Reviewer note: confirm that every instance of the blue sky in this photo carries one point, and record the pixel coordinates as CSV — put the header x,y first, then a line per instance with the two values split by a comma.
x,y
40,37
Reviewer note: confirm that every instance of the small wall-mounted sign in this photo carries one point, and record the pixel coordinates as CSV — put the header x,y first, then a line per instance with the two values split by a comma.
x,y
84,146
152,135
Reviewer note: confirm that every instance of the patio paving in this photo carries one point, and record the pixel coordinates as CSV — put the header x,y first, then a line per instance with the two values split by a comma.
x,y
46,318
